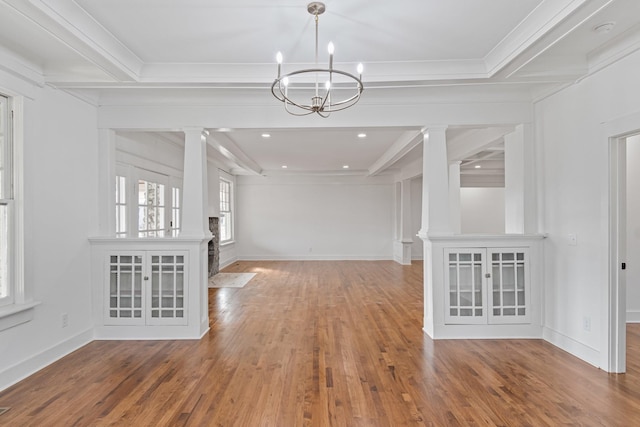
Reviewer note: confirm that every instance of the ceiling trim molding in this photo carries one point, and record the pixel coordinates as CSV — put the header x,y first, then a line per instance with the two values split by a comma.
x,y
17,67
74,27
553,36
541,20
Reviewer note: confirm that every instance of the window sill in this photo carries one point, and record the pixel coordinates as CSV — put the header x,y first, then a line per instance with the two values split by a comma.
x,y
227,243
16,314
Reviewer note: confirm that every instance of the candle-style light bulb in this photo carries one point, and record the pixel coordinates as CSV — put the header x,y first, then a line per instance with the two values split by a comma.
x,y
360,69
327,85
285,81
331,49
279,61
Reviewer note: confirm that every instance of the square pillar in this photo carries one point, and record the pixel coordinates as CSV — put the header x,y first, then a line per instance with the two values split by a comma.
x,y
404,241
195,223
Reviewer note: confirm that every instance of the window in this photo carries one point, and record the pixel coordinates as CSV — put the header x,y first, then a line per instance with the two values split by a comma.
x,y
6,203
151,209
121,206
147,204
226,218
174,226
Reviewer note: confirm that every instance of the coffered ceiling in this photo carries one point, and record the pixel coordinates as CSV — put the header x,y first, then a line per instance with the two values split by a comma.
x,y
122,52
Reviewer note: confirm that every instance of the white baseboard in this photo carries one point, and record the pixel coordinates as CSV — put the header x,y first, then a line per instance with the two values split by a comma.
x,y
22,370
571,346
633,316
227,262
315,258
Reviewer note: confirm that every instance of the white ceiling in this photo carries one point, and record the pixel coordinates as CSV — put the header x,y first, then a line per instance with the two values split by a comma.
x,y
131,51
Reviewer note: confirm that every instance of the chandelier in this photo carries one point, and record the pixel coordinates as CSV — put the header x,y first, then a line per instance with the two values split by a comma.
x,y
294,91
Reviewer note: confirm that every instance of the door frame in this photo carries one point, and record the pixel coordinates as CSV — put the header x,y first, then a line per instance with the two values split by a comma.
x,y
613,357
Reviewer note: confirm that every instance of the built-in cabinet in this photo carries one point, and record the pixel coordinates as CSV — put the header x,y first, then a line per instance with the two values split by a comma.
x,y
486,285
483,286
150,288
146,288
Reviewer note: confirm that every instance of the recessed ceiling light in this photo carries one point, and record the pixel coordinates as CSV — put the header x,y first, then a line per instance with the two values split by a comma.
x,y
224,130
266,135
345,166
478,166
362,135
284,166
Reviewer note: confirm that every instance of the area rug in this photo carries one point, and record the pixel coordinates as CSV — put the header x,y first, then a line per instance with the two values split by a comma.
x,y
230,280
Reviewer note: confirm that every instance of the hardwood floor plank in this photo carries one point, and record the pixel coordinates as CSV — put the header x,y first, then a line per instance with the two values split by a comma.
x,y
324,344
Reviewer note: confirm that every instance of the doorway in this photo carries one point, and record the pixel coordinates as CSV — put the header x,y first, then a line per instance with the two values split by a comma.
x,y
622,174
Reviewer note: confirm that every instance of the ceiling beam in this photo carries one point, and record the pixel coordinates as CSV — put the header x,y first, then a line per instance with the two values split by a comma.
x,y
566,17
76,29
405,143
222,143
475,141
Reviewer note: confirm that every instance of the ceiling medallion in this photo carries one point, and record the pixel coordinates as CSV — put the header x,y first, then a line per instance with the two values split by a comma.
x,y
294,91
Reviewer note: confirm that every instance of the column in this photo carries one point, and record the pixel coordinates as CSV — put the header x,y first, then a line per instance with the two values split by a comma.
x,y
519,181
514,182
106,182
404,242
454,197
435,215
194,185
435,183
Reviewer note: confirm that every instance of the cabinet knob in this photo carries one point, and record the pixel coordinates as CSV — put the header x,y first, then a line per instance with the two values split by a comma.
x,y
487,275
146,277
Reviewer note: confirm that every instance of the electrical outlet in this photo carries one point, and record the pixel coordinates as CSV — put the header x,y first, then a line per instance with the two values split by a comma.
x,y
586,323
310,249
573,240
65,320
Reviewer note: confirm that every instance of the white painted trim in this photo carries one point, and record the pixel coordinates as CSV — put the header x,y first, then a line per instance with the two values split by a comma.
x,y
576,348
33,364
314,258
613,340
633,316
480,332
148,333
15,314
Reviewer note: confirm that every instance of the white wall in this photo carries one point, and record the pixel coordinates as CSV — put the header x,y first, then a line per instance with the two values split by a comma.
x,y
482,210
633,229
60,212
573,150
300,217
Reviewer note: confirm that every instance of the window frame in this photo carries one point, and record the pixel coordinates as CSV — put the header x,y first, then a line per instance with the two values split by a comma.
x,y
227,213
21,309
7,199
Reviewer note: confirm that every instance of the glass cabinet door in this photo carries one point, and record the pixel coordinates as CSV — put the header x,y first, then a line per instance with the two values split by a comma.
x,y
509,286
464,278
167,296
125,303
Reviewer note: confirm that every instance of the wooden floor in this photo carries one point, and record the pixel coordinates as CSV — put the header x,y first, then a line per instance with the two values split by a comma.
x,y
324,344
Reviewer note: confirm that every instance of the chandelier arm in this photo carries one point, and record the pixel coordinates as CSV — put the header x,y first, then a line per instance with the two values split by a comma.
x,y
293,113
